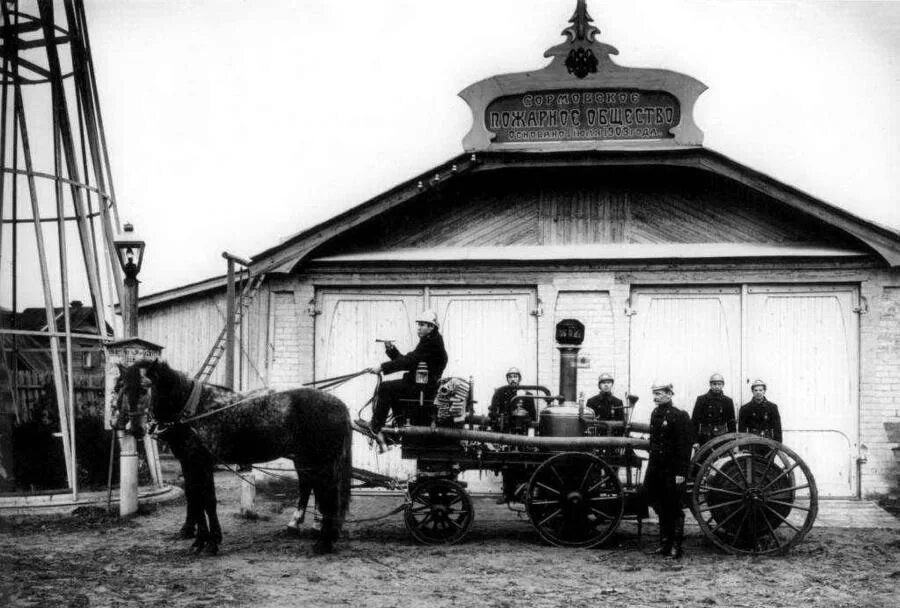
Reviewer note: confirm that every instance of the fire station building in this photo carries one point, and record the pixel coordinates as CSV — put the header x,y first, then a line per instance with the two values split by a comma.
x,y
584,191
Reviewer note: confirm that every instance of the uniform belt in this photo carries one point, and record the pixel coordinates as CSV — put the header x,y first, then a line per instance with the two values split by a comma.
x,y
713,429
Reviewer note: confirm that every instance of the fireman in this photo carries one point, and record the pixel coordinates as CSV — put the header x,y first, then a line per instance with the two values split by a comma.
x,y
760,416
671,437
713,413
606,406
503,404
430,350
504,415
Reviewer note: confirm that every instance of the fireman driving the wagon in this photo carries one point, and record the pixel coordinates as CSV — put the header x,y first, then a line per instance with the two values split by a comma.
x,y
430,351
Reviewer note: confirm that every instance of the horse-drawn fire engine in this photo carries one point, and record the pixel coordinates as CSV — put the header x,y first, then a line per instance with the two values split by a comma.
x,y
578,477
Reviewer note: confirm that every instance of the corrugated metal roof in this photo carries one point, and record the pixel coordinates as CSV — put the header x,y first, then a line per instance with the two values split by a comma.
x,y
614,251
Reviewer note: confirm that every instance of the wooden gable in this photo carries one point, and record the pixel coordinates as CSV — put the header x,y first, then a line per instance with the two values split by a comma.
x,y
634,199
587,205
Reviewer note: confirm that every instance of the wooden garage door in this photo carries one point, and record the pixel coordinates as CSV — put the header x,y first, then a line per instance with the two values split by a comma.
x,y
683,336
803,341
346,330
485,331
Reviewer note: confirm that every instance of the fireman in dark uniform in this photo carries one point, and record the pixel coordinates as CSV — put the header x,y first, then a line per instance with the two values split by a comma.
x,y
429,350
760,416
713,413
671,437
605,405
503,403
510,415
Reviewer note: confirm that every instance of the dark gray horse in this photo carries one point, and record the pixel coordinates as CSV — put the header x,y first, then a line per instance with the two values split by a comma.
x,y
310,427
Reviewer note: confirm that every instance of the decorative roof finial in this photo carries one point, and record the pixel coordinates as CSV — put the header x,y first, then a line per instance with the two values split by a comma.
x,y
581,28
581,53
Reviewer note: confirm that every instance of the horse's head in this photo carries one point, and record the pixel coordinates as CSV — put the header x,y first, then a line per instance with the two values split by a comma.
x,y
153,393
134,396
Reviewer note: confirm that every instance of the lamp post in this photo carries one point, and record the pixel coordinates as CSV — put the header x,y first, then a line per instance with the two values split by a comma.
x,y
130,251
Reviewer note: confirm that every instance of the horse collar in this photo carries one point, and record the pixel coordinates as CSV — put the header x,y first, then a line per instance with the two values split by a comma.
x,y
190,408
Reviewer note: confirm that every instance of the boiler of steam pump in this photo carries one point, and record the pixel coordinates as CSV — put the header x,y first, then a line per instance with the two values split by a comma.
x,y
566,419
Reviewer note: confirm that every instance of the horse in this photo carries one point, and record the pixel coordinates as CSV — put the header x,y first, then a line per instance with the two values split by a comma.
x,y
310,427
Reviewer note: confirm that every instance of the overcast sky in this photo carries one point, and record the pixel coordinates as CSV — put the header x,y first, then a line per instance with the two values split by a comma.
x,y
233,124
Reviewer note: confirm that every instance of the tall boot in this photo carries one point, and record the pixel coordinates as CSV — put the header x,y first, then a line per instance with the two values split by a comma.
x,y
665,544
677,552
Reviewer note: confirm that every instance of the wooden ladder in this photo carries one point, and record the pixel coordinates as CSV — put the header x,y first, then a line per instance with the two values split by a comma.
x,y
215,354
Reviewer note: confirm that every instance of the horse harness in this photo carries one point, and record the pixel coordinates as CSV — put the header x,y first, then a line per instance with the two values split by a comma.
x,y
188,412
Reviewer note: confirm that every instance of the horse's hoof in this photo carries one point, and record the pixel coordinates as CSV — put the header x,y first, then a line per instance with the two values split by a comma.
x,y
323,547
186,533
212,549
292,530
197,546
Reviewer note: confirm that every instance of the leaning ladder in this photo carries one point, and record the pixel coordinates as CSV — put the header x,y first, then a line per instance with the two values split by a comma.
x,y
215,354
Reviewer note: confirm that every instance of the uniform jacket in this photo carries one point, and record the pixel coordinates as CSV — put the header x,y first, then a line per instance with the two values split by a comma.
x,y
713,411
430,349
671,439
606,407
760,419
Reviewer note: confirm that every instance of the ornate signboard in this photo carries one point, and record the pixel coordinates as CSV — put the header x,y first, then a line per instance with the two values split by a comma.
x,y
582,114
583,100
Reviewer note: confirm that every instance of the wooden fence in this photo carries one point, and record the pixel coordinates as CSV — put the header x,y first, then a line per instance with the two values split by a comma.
x,y
36,388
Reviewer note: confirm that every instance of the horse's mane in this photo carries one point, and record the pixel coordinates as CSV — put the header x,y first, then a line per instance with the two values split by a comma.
x,y
172,386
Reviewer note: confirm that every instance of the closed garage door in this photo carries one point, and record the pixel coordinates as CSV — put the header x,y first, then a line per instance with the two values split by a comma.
x,y
485,332
802,340
683,336
346,331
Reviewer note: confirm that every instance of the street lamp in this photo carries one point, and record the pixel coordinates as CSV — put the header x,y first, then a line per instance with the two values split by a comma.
x,y
130,251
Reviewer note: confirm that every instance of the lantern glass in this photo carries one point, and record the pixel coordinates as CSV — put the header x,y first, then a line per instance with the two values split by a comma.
x,y
129,250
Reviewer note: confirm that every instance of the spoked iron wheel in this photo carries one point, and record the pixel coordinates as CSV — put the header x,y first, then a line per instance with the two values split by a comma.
x,y
574,500
439,512
754,496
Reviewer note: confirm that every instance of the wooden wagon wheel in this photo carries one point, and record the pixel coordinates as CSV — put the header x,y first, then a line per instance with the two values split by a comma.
x,y
704,451
754,496
711,446
439,512
574,499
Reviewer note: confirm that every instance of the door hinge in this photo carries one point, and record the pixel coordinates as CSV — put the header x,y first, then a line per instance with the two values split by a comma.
x,y
311,309
863,308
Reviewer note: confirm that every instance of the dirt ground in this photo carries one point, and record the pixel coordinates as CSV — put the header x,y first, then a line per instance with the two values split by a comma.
x,y
97,560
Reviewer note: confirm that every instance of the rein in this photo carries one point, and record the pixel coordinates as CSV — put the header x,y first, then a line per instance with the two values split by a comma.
x,y
329,383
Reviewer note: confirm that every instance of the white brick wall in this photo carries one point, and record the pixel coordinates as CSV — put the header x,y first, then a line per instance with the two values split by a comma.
x,y
879,384
594,309
284,339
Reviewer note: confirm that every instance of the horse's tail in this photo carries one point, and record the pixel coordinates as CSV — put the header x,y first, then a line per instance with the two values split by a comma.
x,y
345,470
